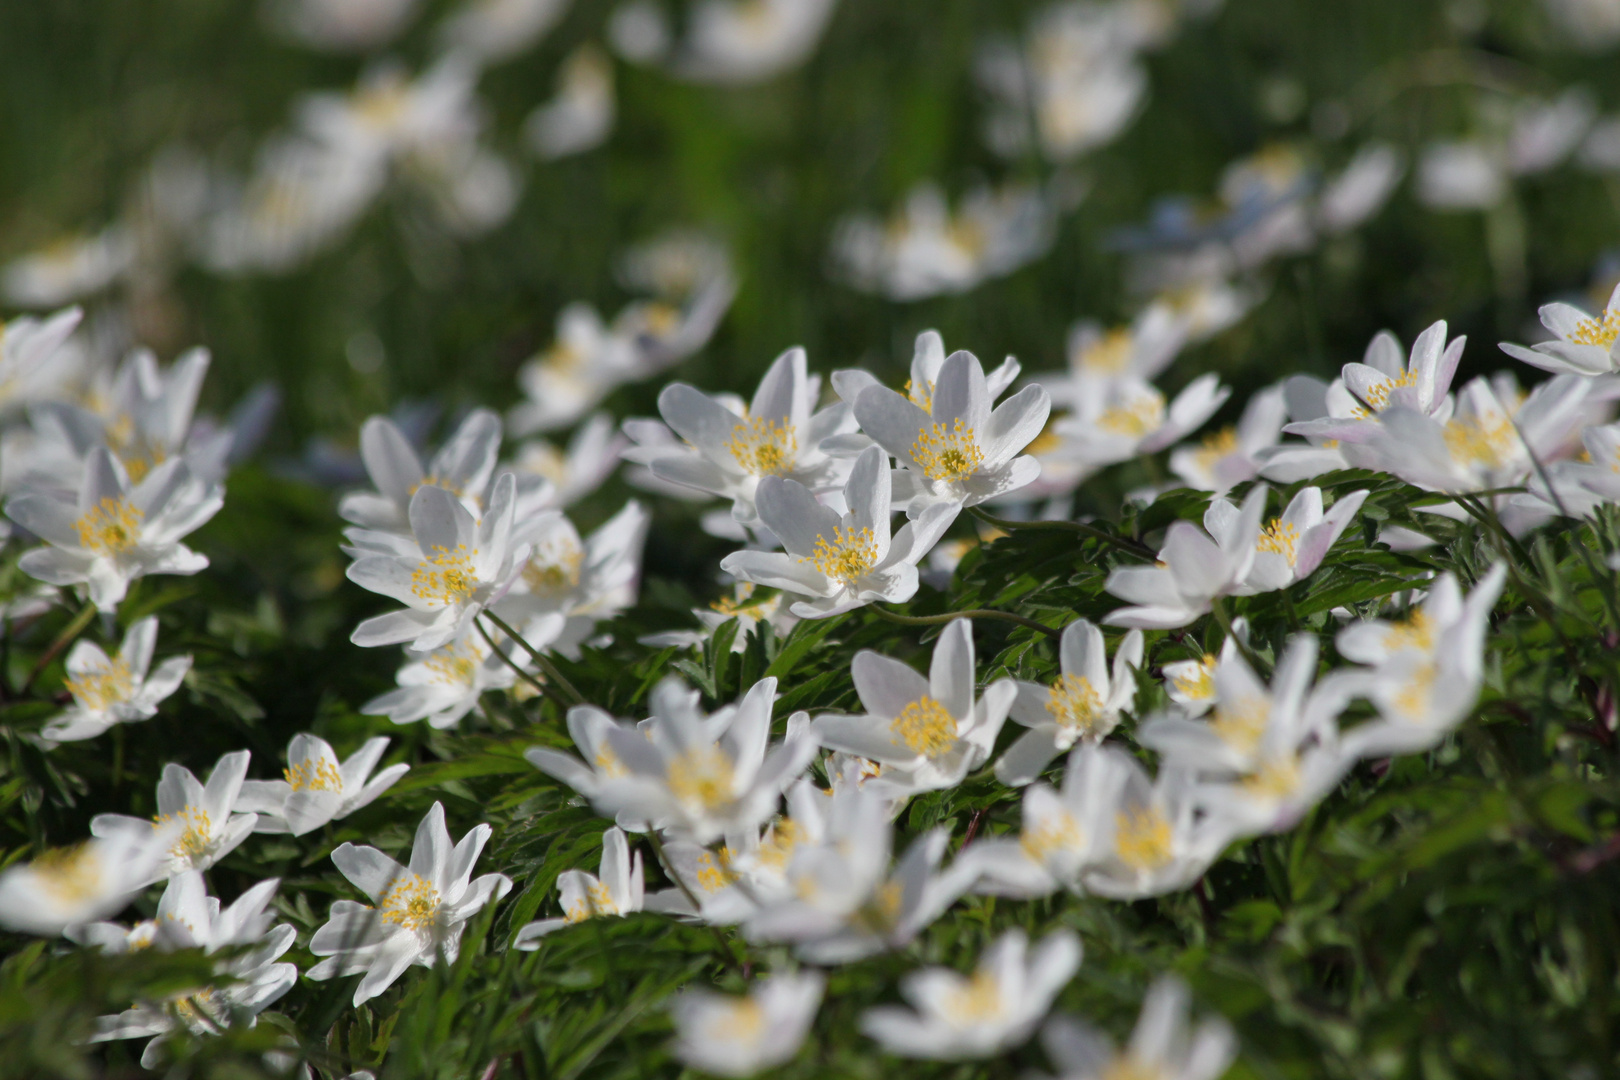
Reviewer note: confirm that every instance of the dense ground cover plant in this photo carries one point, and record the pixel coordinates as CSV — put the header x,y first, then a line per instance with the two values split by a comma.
x,y
433,677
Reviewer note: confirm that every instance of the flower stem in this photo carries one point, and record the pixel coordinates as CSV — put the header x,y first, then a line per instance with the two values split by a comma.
x,y
1130,547
539,658
63,640
1224,619
976,613
545,689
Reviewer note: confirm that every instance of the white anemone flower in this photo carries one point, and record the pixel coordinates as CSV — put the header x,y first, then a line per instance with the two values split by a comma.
x,y
928,733
489,30
1265,756
69,268
927,250
579,468
201,823
701,777
725,1035
115,531
1190,684
567,585
64,887
459,565
995,1009
751,612
839,562
317,787
728,453
1292,546
1426,670
421,909
1161,1047
739,42
1235,453
1360,189
619,890
844,902
588,727
1082,704
580,116
959,449
444,684
1099,358
1123,420
115,690
1195,567
188,918
33,362
345,24
1149,840
463,466
1583,345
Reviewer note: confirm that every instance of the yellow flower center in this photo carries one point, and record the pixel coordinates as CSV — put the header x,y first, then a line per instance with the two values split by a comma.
x,y
1275,779
702,775
381,105
714,870
1413,699
1241,726
1061,833
1075,704
1138,418
1480,440
197,835
847,556
555,566
102,687
1376,396
1215,447
318,774
967,236
1200,684
1109,354
445,576
608,763
947,454
1281,538
70,874
455,664
1128,1066
598,900
977,999
763,447
777,847
879,914
138,455
412,903
921,394
111,528
1142,838
925,727
741,1021
1600,331
1416,631
1046,442
434,480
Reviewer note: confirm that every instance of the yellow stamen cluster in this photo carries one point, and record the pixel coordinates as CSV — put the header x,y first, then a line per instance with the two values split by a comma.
x,y
738,605
195,838
978,999
1200,685
1061,833
1416,631
103,687
1481,440
714,870
764,447
110,528
1376,396
434,480
880,913
703,775
1138,418
921,394
412,903
741,1020
948,454
445,576
455,664
1075,704
850,554
1128,1066
1600,331
1413,699
1241,726
967,235
1142,838
925,727
777,847
555,566
70,874
1281,538
1275,779
608,763
1215,447
598,900
1046,442
318,774
1109,355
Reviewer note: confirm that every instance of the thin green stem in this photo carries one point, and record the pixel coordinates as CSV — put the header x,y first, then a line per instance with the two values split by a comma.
x,y
545,665
524,674
976,613
63,640
1224,620
1130,547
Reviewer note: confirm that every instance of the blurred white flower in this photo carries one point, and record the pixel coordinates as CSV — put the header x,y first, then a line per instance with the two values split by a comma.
x,y
421,909
928,733
69,269
927,250
618,891
489,30
578,469
1161,1047
1529,137
464,466
1584,344
64,887
33,361
1426,670
1100,358
188,918
1148,837
567,585
344,25
201,824
1190,684
738,42
580,116
740,1036
115,532
840,562
1195,567
444,684
1234,454
588,727
1360,189
1082,704
115,690
1592,25
996,1009
750,612
317,787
